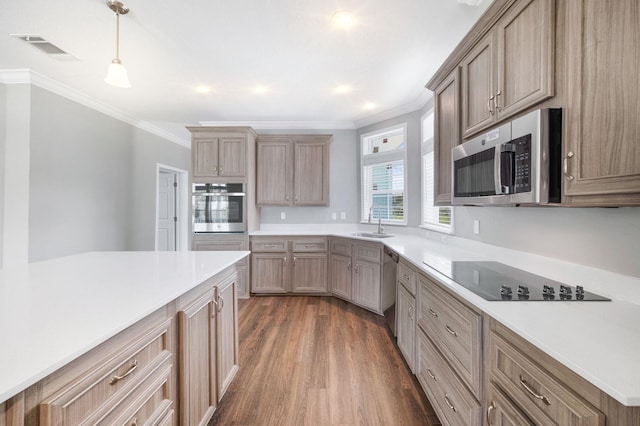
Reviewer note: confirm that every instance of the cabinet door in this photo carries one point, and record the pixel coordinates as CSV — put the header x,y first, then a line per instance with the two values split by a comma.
x,y
366,285
446,135
502,412
274,173
602,144
311,173
525,56
478,87
205,158
406,325
309,273
341,276
232,160
227,334
269,272
198,382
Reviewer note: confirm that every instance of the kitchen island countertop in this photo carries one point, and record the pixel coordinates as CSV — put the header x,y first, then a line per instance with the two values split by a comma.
x,y
52,312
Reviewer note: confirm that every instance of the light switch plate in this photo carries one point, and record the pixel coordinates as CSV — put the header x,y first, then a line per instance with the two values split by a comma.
x,y
476,227
283,215
334,216
343,215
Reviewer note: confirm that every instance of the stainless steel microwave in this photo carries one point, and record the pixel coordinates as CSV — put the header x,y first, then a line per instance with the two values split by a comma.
x,y
516,163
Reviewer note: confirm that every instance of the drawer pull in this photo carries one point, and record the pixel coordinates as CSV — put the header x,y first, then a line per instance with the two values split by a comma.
x,y
309,245
134,422
542,398
432,312
410,312
269,246
294,262
220,303
349,266
449,404
430,373
451,332
116,379
492,407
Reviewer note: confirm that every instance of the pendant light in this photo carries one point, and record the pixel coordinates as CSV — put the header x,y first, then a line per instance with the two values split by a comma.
x,y
117,74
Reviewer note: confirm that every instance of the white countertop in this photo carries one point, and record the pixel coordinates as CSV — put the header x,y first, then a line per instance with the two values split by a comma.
x,y
600,341
52,312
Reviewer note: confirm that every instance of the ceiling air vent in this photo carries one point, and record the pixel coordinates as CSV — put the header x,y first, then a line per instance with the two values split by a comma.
x,y
46,46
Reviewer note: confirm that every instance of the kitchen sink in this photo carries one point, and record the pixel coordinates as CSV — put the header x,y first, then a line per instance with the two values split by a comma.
x,y
371,235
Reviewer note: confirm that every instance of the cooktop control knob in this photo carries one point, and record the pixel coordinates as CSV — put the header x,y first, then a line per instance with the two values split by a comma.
x,y
523,290
579,289
548,290
505,289
565,289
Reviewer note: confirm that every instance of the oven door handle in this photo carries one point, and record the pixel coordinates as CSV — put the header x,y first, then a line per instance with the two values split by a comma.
x,y
220,194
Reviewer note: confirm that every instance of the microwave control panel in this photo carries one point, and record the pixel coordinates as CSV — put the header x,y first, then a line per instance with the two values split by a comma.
x,y
522,181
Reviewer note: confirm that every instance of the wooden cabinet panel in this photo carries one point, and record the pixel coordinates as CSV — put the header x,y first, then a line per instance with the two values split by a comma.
x,y
227,342
309,244
232,157
602,143
341,246
309,274
12,411
453,403
198,384
407,277
340,277
293,170
502,412
478,87
406,324
366,283
269,244
541,396
370,252
205,158
268,273
218,242
274,172
446,134
311,173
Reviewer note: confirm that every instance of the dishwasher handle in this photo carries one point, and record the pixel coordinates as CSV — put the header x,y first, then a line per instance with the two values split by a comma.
x,y
392,254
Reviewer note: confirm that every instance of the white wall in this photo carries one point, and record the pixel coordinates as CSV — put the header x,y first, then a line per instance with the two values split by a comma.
x,y
343,184
3,130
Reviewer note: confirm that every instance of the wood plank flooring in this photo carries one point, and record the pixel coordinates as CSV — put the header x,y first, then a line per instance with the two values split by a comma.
x,y
319,361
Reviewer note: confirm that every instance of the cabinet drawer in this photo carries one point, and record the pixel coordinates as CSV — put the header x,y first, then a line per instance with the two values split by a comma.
x,y
108,380
454,328
407,277
341,246
309,244
367,252
543,398
502,412
269,245
452,401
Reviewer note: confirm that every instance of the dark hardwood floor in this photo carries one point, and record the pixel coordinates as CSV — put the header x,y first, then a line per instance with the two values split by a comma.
x,y
319,361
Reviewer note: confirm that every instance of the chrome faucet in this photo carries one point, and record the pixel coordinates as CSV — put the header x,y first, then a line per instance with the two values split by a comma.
x,y
380,227
370,211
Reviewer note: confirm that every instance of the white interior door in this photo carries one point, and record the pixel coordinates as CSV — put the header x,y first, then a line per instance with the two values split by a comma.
x,y
167,215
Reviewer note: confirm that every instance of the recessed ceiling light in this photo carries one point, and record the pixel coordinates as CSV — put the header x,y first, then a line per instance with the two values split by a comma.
x,y
203,89
344,19
369,105
343,88
261,90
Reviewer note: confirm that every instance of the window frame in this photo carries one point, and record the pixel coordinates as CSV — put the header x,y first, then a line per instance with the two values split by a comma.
x,y
381,158
426,147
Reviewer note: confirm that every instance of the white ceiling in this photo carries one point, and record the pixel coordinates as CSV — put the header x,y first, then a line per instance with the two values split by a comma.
x,y
291,46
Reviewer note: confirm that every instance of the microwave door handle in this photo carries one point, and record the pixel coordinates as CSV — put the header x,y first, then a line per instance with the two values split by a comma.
x,y
497,168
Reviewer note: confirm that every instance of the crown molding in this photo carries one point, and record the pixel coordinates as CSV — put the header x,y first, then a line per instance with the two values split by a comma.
x,y
284,125
27,76
418,103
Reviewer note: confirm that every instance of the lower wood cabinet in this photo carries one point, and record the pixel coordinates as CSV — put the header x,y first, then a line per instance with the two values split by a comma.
x,y
406,324
208,348
367,278
502,412
289,265
223,242
340,273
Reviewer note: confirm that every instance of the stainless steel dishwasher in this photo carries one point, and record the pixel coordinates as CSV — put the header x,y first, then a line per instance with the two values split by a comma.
x,y
389,270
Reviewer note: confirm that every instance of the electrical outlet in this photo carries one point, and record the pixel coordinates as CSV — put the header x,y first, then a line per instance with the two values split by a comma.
x,y
343,215
334,216
283,215
476,227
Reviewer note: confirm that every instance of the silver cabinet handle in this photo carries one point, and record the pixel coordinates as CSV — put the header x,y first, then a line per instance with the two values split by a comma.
x,y
410,312
357,268
294,262
489,105
430,373
432,312
309,245
496,104
116,379
269,246
565,166
286,197
492,407
284,265
215,169
542,398
296,199
220,303
134,422
449,404
220,169
349,266
450,330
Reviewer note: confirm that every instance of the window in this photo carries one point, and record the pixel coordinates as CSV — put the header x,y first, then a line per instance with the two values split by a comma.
x,y
433,217
383,175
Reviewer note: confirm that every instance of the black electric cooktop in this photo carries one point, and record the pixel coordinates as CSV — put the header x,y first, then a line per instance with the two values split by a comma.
x,y
499,282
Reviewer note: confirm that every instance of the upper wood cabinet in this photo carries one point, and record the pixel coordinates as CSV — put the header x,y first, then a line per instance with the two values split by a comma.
x,y
511,68
220,153
602,128
446,133
293,170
